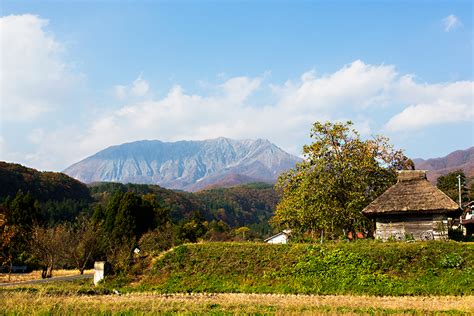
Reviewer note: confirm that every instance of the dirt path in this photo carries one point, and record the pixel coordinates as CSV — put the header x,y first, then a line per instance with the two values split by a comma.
x,y
54,279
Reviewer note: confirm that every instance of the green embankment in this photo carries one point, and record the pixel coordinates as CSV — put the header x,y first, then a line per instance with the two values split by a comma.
x,y
366,267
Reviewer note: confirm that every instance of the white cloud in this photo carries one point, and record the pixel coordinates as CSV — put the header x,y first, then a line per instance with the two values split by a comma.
x,y
34,77
358,91
423,115
240,88
353,92
451,22
355,85
120,92
138,88
431,104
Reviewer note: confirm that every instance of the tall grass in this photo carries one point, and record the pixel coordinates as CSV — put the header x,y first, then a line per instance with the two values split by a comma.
x,y
22,303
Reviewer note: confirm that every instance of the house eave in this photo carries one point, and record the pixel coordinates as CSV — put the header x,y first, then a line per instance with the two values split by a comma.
x,y
453,212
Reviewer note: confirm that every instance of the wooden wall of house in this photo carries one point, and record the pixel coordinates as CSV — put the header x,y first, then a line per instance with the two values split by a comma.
x,y
422,227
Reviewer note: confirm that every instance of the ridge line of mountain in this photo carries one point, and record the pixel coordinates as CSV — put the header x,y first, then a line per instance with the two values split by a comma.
x,y
189,165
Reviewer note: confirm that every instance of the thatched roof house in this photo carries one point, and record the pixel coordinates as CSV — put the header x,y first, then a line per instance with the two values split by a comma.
x,y
412,207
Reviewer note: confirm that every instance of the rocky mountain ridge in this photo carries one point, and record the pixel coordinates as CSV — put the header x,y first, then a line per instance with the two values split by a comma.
x,y
186,165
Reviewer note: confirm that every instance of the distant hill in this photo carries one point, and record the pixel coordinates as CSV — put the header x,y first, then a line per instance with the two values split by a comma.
x,y
227,180
249,204
246,204
63,197
43,186
459,159
186,165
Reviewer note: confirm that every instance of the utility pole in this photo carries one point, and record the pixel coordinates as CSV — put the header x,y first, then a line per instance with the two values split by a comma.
x,y
459,187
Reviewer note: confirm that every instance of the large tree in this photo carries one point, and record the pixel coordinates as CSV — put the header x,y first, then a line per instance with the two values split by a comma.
x,y
340,175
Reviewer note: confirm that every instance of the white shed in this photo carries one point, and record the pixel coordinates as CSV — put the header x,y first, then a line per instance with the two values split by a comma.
x,y
280,238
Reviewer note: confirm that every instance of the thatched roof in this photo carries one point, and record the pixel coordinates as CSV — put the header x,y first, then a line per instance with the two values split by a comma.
x,y
412,194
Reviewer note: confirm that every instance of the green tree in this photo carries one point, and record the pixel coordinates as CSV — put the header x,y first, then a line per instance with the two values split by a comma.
x,y
193,228
157,240
125,224
449,185
340,175
242,232
134,217
23,211
110,212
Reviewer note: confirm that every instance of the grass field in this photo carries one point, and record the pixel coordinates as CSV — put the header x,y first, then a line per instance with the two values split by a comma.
x,y
25,303
357,268
430,278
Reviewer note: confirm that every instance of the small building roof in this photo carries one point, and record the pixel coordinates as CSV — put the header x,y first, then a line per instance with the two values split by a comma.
x,y
412,194
285,232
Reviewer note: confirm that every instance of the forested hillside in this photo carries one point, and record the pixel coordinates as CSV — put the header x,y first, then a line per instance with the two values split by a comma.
x,y
62,197
43,186
236,206
240,205
106,221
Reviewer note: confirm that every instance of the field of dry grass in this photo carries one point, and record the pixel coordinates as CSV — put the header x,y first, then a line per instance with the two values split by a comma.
x,y
150,303
36,275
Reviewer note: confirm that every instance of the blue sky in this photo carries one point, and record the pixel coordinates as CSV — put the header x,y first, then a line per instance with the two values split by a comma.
x,y
80,76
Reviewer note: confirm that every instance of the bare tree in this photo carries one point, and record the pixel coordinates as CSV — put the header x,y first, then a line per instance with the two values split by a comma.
x,y
48,246
83,241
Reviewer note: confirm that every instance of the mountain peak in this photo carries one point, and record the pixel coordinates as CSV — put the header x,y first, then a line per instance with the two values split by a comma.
x,y
185,165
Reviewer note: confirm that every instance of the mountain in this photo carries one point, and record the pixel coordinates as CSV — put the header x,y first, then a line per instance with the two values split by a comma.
x,y
459,159
43,186
186,165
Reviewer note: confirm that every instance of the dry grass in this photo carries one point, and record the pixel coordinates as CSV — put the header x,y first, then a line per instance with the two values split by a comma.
x,y
149,303
36,275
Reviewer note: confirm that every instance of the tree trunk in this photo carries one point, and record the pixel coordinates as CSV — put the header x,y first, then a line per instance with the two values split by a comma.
x,y
50,272
50,268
